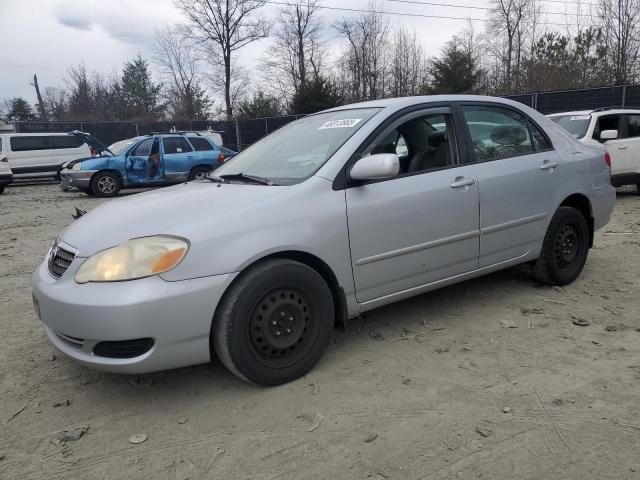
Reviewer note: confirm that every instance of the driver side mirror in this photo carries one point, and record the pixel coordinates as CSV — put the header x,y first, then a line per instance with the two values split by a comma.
x,y
608,135
376,167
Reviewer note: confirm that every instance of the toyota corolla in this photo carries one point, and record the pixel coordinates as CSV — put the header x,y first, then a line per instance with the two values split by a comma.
x,y
330,216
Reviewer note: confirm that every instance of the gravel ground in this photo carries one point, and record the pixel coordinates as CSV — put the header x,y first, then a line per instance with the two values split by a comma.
x,y
486,379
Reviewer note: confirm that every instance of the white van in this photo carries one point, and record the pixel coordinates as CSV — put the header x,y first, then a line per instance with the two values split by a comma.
x,y
6,175
42,154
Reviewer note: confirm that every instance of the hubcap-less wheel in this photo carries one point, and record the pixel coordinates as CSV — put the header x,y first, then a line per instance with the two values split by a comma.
x,y
106,185
279,325
200,175
566,246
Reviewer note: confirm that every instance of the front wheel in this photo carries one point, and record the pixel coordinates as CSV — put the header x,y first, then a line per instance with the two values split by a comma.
x,y
274,323
105,184
198,173
565,248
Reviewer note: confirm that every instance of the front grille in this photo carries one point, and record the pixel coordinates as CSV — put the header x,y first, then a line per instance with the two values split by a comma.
x,y
123,348
74,342
59,260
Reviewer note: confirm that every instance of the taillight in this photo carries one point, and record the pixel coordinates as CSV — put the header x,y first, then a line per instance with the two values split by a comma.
x,y
607,159
94,151
221,157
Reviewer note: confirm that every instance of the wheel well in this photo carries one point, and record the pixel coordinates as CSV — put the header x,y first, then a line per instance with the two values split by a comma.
x,y
581,203
202,165
339,298
116,172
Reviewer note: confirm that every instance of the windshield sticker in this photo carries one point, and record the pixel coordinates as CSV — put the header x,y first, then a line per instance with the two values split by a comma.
x,y
346,123
580,117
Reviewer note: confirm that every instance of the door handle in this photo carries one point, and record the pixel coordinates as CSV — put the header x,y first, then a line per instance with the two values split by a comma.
x,y
462,182
622,147
548,165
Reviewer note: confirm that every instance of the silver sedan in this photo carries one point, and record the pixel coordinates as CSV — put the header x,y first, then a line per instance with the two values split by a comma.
x,y
332,215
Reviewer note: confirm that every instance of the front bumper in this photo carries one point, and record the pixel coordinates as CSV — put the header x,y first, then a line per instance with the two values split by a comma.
x,y
75,179
176,315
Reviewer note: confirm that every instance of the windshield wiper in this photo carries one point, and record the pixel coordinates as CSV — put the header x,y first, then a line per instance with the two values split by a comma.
x,y
244,177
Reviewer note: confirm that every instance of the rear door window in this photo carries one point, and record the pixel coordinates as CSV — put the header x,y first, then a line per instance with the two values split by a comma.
x,y
27,143
175,145
66,141
200,144
498,133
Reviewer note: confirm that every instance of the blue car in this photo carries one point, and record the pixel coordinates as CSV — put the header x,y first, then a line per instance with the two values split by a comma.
x,y
150,160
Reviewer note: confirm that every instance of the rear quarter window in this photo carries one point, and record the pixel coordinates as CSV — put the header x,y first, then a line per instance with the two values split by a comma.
x,y
200,144
27,143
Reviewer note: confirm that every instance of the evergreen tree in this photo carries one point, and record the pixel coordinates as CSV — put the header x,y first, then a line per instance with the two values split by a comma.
x,y
259,106
315,95
455,71
18,109
140,95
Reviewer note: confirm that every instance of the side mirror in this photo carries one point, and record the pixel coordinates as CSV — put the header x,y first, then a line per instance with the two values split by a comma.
x,y
375,167
608,134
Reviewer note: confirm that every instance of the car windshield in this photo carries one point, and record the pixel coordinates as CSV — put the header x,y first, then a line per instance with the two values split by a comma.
x,y
296,151
120,147
576,125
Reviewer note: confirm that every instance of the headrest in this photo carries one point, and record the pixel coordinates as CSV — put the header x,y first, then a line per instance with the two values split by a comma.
x,y
436,138
508,135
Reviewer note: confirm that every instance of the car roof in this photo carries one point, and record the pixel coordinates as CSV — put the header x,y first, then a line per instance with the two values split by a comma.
x,y
597,111
401,102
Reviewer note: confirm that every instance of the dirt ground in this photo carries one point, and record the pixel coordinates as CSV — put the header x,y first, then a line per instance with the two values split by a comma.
x,y
486,379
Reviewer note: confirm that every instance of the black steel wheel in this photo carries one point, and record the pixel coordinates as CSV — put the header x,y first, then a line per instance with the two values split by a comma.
x,y
565,248
274,323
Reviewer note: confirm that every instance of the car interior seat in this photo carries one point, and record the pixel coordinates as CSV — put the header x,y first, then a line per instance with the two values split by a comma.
x,y
437,156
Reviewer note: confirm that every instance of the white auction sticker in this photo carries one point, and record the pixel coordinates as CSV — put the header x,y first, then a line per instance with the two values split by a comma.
x,y
580,117
346,123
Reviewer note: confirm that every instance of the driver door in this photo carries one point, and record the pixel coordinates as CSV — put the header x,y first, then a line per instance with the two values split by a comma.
x,y
138,164
421,226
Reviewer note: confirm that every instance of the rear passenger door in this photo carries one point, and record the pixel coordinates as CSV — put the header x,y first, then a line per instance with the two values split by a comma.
x,y
30,154
205,152
519,176
177,156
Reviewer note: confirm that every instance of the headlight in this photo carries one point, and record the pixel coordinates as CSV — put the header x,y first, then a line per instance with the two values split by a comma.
x,y
136,258
76,166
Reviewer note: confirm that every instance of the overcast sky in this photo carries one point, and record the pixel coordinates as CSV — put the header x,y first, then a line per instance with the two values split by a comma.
x,y
46,36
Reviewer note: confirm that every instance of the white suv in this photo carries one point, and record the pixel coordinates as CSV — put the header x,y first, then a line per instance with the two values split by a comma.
x,y
618,129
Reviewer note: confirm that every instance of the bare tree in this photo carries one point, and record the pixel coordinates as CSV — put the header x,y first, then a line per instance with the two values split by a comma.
x,y
223,27
179,63
55,102
407,64
297,51
508,33
621,31
362,64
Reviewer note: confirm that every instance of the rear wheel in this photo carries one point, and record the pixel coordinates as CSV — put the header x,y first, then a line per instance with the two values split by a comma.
x,y
565,248
198,173
274,323
105,184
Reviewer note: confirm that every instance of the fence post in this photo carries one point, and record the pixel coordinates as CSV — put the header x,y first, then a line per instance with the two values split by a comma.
x,y
624,95
238,144
266,126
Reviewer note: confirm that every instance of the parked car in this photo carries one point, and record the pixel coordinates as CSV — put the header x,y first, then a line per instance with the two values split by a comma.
x,y
33,155
618,129
6,175
150,160
318,222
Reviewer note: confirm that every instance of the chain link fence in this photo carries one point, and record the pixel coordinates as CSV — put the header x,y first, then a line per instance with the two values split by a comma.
x,y
239,134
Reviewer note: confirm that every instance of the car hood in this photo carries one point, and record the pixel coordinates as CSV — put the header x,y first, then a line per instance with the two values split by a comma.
x,y
195,211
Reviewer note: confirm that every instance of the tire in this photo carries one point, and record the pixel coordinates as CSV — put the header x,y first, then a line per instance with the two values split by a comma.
x,y
88,191
105,184
2,189
638,188
274,323
197,173
564,249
